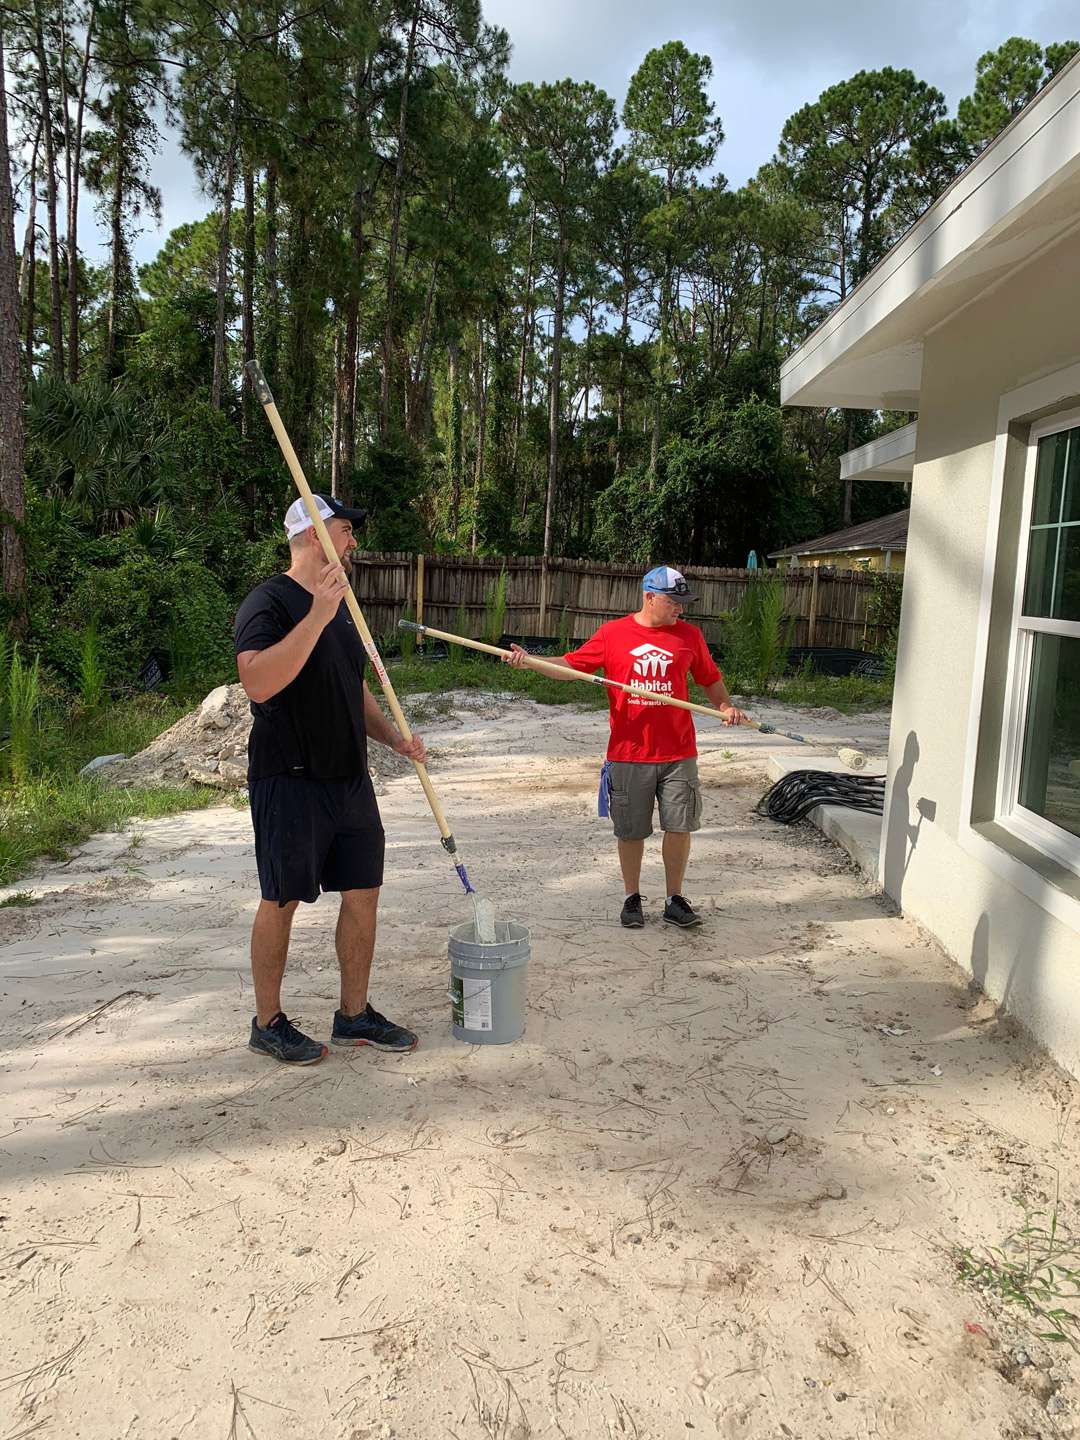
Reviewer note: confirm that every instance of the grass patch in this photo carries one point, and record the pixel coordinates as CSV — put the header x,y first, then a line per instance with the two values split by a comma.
x,y
48,807
20,899
122,727
846,693
50,814
1034,1269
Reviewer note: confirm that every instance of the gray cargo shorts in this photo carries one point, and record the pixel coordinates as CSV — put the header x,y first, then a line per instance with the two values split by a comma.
x,y
636,789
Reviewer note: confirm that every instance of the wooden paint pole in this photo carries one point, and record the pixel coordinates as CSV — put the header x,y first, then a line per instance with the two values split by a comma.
x,y
567,672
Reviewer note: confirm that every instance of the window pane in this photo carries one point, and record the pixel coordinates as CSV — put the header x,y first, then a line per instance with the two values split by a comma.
x,y
1042,564
1071,509
1050,771
1067,600
1049,474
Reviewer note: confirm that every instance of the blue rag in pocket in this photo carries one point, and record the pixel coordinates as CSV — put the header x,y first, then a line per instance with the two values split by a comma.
x,y
603,795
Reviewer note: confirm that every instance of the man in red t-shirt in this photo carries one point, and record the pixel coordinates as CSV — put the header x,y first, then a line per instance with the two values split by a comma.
x,y
652,753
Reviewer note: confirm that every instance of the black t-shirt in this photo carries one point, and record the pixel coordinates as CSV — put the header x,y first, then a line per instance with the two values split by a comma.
x,y
315,726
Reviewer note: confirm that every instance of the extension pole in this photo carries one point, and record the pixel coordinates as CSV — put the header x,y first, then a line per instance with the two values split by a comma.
x,y
567,672
266,399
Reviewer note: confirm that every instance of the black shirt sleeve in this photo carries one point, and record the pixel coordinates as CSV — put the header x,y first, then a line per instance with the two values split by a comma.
x,y
260,622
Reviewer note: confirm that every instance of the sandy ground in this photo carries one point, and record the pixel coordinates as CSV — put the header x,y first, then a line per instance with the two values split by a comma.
x,y
705,1194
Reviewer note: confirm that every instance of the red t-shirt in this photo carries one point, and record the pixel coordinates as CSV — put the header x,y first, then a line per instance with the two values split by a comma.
x,y
657,658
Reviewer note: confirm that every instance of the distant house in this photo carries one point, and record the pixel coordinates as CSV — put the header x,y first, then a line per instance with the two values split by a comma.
x,y
971,321
874,545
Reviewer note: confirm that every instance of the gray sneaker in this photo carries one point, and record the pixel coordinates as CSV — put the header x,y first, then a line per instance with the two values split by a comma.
x,y
677,911
282,1041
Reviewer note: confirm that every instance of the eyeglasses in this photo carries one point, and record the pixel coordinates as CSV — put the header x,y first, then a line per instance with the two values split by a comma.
x,y
674,592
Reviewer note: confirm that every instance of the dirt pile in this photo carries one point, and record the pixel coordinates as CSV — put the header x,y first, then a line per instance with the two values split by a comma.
x,y
209,745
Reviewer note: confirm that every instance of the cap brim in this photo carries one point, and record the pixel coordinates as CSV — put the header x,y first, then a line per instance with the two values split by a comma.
x,y
686,599
346,512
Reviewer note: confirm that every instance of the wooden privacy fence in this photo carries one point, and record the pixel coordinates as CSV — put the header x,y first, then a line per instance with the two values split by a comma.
x,y
828,609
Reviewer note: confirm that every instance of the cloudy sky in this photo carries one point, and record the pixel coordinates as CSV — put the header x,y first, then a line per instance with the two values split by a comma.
x,y
769,58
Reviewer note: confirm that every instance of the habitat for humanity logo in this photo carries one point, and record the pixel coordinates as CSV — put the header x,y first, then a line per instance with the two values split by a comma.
x,y
651,661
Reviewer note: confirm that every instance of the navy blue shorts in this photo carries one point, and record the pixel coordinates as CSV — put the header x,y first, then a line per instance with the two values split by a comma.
x,y
313,835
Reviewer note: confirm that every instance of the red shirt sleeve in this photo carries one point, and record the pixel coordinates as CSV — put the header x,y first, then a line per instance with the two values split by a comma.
x,y
703,667
590,656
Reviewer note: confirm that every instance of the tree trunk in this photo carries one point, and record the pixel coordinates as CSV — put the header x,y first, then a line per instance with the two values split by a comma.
x,y
28,261
588,359
347,372
454,438
386,390
74,174
847,483
12,509
118,256
620,398
418,425
56,322
300,355
116,268
247,302
526,321
481,433
335,429
270,270
222,280
556,376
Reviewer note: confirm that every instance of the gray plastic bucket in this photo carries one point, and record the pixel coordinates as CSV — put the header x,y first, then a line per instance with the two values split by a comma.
x,y
488,984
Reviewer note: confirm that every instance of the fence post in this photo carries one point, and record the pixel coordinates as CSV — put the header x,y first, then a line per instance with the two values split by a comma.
x,y
543,595
811,629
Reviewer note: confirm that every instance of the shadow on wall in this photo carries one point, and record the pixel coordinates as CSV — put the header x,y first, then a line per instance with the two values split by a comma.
x,y
901,836
1015,984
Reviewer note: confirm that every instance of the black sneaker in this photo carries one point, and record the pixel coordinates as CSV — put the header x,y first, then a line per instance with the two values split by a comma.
x,y
281,1040
678,912
371,1028
631,915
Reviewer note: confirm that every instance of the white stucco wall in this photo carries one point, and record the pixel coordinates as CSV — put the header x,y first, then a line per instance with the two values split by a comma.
x,y
1018,950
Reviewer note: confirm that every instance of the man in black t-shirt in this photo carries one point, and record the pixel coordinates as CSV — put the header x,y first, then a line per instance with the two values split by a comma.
x,y
313,808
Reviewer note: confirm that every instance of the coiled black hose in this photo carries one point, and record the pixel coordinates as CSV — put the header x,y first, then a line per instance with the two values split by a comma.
x,y
793,797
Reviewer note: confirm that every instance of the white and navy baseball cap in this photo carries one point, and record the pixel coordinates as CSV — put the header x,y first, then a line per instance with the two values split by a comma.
x,y
298,520
664,580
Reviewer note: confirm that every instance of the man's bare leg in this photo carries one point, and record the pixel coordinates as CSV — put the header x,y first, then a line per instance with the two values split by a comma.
x,y
676,852
355,946
269,952
630,853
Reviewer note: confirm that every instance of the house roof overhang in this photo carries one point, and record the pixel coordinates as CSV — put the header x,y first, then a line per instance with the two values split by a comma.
x,y
1020,196
890,457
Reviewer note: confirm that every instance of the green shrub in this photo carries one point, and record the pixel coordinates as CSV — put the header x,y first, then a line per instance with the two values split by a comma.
x,y
22,694
883,609
143,605
494,610
756,637
564,632
91,668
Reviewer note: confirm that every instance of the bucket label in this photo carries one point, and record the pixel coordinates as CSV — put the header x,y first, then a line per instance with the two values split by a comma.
x,y
475,1004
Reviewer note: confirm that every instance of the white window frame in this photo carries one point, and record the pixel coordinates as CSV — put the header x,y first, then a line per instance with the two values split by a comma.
x,y
1034,829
